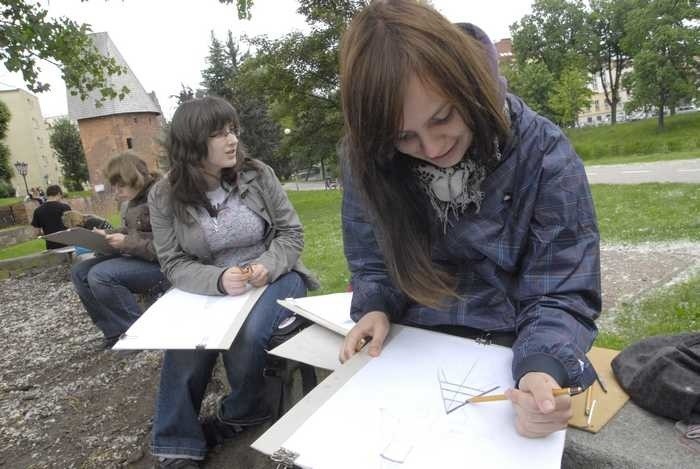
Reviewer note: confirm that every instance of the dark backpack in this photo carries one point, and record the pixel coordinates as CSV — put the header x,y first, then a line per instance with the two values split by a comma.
x,y
662,375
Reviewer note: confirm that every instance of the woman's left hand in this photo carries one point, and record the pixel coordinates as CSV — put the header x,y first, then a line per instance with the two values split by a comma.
x,y
538,411
259,275
116,240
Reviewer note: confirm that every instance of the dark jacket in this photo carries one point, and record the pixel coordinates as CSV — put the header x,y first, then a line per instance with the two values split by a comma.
x,y
528,262
136,225
184,253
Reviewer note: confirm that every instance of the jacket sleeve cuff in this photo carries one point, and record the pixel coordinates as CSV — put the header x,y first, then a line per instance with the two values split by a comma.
x,y
220,283
372,303
542,363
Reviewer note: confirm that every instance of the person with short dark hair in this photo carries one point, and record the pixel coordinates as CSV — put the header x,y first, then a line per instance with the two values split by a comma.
x,y
106,284
47,216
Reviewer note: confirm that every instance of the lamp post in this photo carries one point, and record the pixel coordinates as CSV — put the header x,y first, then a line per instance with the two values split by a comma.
x,y
22,168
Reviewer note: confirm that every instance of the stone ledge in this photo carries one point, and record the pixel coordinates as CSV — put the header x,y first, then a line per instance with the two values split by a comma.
x,y
16,265
634,438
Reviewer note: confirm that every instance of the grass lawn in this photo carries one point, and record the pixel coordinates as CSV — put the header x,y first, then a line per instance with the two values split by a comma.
x,y
10,201
648,212
323,251
670,312
22,249
638,141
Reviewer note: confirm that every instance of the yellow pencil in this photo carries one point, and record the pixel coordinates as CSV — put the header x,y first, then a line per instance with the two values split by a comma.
x,y
502,397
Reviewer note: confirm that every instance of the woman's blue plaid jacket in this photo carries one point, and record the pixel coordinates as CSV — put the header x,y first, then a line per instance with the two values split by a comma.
x,y
528,262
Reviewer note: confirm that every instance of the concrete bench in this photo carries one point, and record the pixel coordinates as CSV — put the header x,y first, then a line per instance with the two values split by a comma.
x,y
634,438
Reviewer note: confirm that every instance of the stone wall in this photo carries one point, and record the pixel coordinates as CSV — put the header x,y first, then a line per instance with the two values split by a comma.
x,y
100,204
15,235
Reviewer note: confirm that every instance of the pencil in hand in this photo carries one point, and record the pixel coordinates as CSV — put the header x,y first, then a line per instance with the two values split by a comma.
x,y
502,397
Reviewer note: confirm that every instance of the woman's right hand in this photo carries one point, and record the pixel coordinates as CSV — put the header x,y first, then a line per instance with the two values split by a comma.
x,y
234,281
99,232
374,324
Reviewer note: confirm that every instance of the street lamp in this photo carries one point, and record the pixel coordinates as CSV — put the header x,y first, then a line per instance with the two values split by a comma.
x,y
22,168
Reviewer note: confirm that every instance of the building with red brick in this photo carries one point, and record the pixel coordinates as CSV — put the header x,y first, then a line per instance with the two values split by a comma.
x,y
134,123
504,47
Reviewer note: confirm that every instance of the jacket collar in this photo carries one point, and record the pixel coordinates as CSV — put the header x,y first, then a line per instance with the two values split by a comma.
x,y
142,196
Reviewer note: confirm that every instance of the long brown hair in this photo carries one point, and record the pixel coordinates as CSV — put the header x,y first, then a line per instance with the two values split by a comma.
x,y
186,143
384,44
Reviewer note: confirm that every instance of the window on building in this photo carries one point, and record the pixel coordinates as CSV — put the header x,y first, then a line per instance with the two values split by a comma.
x,y
590,119
598,118
597,105
129,143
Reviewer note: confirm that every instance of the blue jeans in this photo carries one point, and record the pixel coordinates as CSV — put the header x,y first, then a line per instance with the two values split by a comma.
x,y
186,373
106,287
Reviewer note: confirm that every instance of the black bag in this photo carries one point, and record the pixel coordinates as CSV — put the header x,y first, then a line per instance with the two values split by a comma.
x,y
662,375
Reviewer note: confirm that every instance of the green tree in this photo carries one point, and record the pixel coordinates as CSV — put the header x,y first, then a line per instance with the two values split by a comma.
x,y
65,140
555,33
299,75
6,189
664,37
569,96
606,53
260,133
533,82
187,93
27,34
550,47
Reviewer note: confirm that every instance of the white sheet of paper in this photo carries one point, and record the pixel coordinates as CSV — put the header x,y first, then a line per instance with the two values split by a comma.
x,y
315,346
391,413
181,320
331,311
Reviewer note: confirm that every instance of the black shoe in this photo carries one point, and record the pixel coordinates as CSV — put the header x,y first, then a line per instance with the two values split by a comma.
x,y
177,463
216,431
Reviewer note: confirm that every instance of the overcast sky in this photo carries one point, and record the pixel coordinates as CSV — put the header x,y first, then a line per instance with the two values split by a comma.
x,y
165,42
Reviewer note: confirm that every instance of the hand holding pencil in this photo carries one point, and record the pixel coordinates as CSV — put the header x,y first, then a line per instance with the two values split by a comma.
x,y
540,404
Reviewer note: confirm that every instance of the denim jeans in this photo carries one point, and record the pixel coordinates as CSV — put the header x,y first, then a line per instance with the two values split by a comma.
x,y
106,287
186,373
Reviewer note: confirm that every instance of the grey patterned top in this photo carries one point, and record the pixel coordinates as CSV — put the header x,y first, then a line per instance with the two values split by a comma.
x,y
236,235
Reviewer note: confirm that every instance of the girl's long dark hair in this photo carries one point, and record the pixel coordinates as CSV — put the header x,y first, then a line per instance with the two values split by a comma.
x,y
384,45
193,123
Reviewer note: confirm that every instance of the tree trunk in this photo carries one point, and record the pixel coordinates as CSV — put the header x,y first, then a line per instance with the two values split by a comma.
x,y
323,169
661,118
613,113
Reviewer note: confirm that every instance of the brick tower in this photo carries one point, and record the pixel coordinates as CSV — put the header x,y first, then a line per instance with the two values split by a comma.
x,y
134,123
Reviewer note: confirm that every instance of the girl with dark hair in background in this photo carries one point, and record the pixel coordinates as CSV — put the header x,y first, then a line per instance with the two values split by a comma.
x,y
464,211
221,221
106,284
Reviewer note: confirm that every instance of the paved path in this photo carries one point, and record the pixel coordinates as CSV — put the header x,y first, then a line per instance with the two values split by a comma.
x,y
636,173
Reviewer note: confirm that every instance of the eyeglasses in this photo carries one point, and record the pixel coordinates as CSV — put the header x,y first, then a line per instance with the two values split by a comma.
x,y
221,133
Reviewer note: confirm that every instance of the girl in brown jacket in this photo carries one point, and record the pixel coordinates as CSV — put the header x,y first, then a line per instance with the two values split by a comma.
x,y
106,284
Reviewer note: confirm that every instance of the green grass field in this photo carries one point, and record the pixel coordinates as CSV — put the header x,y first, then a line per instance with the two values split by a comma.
x,y
648,212
9,201
639,141
673,311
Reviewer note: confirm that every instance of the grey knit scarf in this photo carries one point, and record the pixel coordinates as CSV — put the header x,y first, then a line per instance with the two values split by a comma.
x,y
451,190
